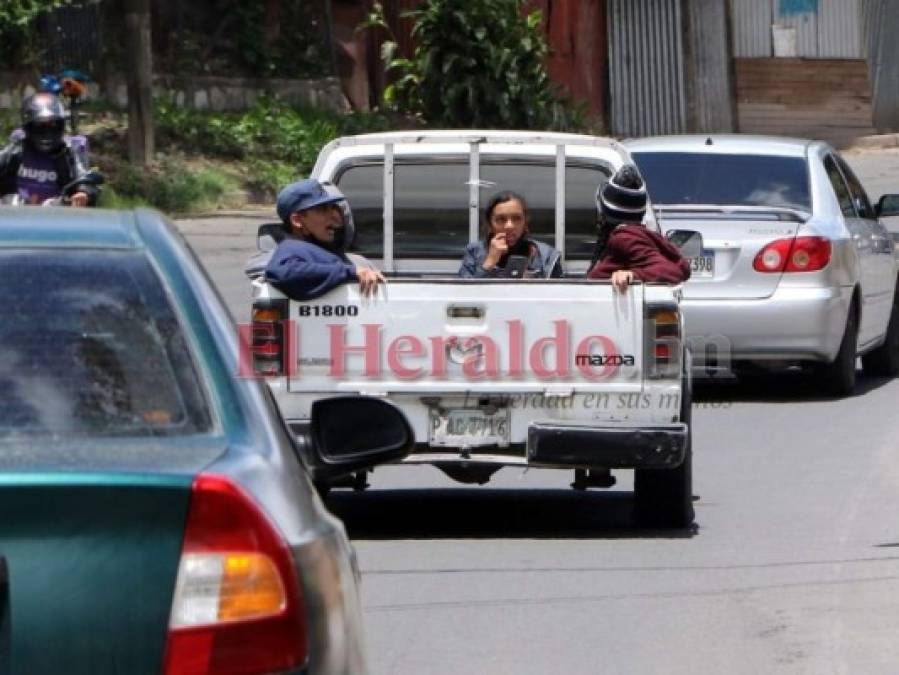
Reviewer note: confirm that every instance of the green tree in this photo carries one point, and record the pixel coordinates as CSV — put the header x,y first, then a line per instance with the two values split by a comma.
x,y
475,64
23,12
18,46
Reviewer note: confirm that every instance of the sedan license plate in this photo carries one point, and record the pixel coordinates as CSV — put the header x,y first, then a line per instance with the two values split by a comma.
x,y
461,428
702,265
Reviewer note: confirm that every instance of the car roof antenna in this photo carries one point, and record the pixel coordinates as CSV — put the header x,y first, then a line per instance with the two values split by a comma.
x,y
708,141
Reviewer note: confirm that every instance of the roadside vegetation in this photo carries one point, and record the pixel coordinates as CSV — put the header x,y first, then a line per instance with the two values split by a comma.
x,y
481,65
211,160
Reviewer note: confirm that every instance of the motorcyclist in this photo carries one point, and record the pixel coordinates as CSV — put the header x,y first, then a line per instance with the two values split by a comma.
x,y
38,166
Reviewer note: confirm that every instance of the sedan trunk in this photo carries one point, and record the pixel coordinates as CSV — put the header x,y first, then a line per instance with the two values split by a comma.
x,y
731,239
91,561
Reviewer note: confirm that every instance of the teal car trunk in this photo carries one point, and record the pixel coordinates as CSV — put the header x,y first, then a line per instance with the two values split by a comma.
x,y
91,562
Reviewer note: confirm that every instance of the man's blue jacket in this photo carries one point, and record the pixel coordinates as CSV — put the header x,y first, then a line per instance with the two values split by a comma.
x,y
304,271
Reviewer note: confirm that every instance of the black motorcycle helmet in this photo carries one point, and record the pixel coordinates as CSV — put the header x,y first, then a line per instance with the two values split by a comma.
x,y
44,121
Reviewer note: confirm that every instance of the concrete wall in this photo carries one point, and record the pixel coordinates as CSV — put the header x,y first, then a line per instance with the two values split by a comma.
x,y
203,93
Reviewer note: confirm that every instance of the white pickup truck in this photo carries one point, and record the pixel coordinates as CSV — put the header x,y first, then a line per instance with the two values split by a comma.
x,y
550,373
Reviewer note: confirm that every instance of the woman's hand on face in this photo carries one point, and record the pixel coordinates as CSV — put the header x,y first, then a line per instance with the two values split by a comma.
x,y
621,279
369,279
498,248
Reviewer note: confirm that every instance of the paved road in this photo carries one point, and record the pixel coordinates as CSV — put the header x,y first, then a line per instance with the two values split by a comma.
x,y
793,566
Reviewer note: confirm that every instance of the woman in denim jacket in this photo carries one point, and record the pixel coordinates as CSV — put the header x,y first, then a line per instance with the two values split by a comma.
x,y
507,238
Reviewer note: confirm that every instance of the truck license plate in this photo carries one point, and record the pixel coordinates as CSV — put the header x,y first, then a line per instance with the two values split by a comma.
x,y
460,428
702,265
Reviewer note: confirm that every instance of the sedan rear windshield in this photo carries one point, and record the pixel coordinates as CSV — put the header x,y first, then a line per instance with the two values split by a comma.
x,y
91,347
733,180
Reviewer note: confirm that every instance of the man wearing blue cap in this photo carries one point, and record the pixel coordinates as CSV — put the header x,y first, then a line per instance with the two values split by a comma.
x,y
310,262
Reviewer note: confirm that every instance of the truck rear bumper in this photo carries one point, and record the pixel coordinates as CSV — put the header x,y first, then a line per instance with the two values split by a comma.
x,y
589,447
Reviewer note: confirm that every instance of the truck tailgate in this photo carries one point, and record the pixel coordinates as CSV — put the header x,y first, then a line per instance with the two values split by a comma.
x,y
479,336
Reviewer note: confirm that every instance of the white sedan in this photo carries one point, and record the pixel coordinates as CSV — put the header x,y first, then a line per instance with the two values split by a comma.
x,y
790,263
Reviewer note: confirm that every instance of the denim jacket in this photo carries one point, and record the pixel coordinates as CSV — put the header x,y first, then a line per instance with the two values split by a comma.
x,y
544,263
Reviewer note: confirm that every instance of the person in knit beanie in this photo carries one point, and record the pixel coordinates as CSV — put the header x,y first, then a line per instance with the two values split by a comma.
x,y
626,250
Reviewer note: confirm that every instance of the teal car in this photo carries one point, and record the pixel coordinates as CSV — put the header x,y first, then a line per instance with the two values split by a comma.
x,y
156,516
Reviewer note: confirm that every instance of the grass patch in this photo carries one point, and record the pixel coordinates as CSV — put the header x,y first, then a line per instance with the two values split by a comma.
x,y
266,177
172,185
278,143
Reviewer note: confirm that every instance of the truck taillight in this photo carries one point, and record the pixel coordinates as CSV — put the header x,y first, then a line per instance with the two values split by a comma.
x,y
802,254
269,338
663,342
237,606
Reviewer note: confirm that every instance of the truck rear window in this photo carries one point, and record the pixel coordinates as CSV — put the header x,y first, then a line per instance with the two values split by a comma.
x,y
91,347
722,179
431,204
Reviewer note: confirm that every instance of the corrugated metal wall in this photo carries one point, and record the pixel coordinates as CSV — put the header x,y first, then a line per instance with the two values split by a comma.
x,y
646,67
872,25
751,27
880,23
824,28
839,30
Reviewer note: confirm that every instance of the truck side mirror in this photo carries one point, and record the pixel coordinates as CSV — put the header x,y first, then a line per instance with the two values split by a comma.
x,y
888,205
352,433
269,235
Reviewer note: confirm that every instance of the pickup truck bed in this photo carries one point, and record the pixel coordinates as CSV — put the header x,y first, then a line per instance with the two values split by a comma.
x,y
491,373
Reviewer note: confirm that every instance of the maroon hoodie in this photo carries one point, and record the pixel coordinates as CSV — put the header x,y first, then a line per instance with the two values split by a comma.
x,y
647,254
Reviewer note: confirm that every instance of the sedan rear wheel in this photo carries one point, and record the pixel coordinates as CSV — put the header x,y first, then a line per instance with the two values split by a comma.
x,y
838,376
884,360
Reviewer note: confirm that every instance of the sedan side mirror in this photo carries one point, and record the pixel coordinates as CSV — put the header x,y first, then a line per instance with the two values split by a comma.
x,y
888,206
352,433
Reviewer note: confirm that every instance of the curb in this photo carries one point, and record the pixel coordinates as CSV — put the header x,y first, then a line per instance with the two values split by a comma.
x,y
260,214
875,142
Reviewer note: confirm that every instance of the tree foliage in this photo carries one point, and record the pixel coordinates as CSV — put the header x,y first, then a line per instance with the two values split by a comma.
x,y
475,64
19,45
23,12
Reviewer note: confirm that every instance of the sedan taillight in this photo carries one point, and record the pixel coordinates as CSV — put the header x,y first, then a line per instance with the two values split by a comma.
x,y
802,254
237,606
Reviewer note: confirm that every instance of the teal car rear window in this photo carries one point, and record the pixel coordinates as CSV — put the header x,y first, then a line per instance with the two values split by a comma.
x,y
92,347
722,179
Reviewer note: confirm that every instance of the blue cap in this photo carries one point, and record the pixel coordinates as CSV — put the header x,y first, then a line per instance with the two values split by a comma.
x,y
302,195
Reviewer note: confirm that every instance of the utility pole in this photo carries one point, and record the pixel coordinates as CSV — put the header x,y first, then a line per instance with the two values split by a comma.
x,y
139,74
